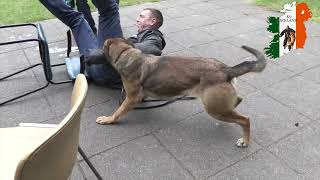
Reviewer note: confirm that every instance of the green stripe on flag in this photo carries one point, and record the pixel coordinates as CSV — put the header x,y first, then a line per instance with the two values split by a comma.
x,y
272,50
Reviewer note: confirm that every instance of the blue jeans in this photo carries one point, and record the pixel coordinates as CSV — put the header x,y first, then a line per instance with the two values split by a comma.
x,y
109,27
82,6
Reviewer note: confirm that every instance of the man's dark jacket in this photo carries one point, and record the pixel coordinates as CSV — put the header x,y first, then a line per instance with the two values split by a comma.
x,y
149,42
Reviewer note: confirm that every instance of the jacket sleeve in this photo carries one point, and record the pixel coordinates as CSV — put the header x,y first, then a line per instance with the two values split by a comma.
x,y
151,44
133,39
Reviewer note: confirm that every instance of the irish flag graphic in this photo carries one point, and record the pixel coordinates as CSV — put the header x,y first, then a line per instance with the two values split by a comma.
x,y
289,29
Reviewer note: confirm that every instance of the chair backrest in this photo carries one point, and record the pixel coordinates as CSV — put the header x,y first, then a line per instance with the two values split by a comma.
x,y
54,158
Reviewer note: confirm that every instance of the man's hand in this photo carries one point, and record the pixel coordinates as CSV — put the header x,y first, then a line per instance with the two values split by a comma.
x,y
96,56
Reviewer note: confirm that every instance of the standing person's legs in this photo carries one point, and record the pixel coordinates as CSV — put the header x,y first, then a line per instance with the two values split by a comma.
x,y
109,26
81,30
82,6
109,20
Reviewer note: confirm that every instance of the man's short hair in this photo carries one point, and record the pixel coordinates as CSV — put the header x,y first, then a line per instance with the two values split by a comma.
x,y
158,15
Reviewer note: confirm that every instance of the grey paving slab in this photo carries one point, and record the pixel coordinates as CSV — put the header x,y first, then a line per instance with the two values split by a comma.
x,y
257,39
312,45
25,32
312,74
300,151
298,60
129,31
229,3
222,51
244,88
142,158
187,108
313,173
59,73
57,51
179,11
298,93
128,21
183,3
222,30
7,35
204,7
261,165
174,25
270,120
96,138
198,20
203,145
133,12
32,108
183,52
269,13
12,61
249,9
54,30
191,37
172,46
251,23
18,84
77,173
58,96
272,74
224,14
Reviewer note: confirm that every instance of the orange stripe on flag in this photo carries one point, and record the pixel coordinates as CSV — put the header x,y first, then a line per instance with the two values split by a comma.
x,y
303,13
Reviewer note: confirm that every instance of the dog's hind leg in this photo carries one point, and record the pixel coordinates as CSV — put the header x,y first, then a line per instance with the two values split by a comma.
x,y
219,102
244,122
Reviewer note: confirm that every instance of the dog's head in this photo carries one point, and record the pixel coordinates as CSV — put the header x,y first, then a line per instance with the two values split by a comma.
x,y
114,47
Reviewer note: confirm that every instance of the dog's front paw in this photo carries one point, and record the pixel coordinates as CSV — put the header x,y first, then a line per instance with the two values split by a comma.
x,y
105,120
241,143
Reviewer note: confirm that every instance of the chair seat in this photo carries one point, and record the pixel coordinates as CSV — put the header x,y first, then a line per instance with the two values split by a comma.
x,y
16,143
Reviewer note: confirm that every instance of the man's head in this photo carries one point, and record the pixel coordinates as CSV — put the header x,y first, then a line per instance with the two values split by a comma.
x,y
149,18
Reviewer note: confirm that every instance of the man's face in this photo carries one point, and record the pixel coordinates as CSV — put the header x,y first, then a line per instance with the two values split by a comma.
x,y
145,21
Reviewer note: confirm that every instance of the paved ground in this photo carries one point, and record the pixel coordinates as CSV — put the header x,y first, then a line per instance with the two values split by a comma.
x,y
180,141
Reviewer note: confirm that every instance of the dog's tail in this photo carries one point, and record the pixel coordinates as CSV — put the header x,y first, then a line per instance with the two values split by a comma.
x,y
248,66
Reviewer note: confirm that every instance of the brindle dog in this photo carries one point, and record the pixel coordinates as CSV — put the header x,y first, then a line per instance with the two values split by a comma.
x,y
167,77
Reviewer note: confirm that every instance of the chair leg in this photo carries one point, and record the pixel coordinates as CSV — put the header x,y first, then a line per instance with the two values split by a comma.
x,y
18,97
30,67
93,169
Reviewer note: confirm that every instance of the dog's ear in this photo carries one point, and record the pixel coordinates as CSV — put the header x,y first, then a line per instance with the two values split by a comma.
x,y
129,43
106,48
107,45
114,47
